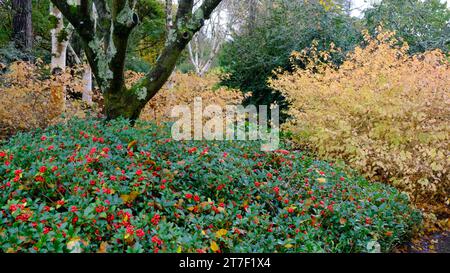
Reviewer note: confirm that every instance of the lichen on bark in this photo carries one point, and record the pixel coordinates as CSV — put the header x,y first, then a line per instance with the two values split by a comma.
x,y
125,16
141,93
103,58
73,2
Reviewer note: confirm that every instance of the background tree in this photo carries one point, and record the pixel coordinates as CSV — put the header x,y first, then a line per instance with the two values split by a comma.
x,y
22,26
41,38
424,24
60,37
169,14
252,10
283,26
148,38
206,44
106,48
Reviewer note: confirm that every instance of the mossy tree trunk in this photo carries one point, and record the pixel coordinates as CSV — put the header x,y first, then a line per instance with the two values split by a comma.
x,y
105,43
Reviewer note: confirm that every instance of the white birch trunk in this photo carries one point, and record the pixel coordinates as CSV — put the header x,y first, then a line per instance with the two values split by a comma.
x,y
58,60
59,48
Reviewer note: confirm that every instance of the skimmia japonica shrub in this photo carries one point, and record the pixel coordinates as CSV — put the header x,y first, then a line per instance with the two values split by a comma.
x,y
94,186
384,112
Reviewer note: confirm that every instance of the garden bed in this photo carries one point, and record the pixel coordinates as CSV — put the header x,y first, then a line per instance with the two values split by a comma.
x,y
92,186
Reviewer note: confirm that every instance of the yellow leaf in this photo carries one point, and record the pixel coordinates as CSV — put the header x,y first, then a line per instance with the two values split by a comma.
x,y
149,162
308,202
204,204
221,232
10,250
288,245
132,144
321,180
167,174
74,245
214,246
179,249
103,247
127,198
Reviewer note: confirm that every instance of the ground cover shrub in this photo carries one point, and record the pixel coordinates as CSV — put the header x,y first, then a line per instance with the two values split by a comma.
x,y
96,186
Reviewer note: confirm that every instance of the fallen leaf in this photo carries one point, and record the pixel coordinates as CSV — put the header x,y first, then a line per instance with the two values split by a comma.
x,y
132,144
321,180
221,232
103,247
74,245
214,246
127,198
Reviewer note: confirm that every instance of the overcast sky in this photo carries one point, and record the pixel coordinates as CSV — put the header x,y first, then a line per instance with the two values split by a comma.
x,y
358,6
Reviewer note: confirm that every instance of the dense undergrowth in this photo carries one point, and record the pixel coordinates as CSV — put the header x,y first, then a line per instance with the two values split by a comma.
x,y
94,186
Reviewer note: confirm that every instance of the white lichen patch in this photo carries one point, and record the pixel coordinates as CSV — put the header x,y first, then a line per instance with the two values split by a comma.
x,y
111,51
73,2
199,15
125,16
171,37
103,59
141,93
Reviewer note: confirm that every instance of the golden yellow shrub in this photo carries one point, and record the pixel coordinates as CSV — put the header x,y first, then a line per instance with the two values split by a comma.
x,y
30,98
382,111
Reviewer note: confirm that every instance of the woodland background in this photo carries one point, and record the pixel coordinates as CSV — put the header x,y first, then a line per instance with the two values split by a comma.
x,y
368,87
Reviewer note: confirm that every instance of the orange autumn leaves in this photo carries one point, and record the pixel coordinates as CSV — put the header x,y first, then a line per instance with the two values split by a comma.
x,y
32,99
181,89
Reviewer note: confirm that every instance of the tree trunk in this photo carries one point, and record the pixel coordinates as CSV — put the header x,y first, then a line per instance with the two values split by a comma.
x,y
169,16
60,41
87,87
22,24
106,47
87,75
252,10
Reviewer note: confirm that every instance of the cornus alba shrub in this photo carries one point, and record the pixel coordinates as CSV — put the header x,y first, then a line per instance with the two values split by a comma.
x,y
92,186
382,111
